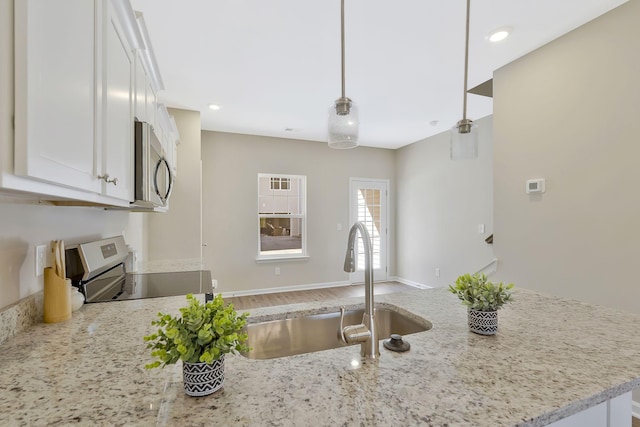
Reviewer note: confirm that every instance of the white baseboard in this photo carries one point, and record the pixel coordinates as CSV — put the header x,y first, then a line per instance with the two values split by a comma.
x,y
635,409
410,282
284,289
307,287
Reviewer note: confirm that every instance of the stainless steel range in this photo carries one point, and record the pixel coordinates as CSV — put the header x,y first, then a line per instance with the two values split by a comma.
x,y
97,269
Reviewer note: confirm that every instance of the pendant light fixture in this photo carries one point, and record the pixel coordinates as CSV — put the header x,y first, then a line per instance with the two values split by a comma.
x,y
464,135
343,116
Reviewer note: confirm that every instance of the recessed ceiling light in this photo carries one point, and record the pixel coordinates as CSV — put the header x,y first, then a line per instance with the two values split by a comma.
x,y
214,107
499,34
433,122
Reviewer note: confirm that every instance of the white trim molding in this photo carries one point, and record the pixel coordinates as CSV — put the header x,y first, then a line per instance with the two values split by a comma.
x,y
311,286
284,289
279,258
490,268
409,282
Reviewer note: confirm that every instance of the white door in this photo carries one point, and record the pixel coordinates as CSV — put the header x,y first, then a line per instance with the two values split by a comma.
x,y
368,204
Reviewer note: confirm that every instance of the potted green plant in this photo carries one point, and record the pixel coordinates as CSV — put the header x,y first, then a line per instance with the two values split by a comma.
x,y
200,337
483,300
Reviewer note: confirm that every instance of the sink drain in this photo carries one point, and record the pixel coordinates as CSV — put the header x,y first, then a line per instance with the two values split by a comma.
x,y
396,343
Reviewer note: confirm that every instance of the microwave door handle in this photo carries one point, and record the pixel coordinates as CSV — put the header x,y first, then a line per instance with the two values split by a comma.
x,y
162,197
170,185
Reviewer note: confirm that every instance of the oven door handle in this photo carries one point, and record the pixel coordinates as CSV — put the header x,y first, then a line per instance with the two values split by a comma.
x,y
163,197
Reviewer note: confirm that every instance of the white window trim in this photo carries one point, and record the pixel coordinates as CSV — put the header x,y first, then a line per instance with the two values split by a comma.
x,y
281,257
299,256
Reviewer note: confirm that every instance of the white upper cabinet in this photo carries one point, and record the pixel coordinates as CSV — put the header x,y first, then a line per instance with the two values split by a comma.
x,y
167,132
55,92
84,69
152,105
140,90
117,104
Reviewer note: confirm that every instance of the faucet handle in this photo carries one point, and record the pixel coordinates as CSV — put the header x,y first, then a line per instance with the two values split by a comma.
x,y
353,333
341,337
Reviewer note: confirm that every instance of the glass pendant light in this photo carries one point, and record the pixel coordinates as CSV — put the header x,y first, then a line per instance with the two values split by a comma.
x,y
343,115
464,135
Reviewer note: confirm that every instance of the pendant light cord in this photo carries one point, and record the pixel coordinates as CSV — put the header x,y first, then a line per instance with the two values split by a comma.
x,y
342,43
466,64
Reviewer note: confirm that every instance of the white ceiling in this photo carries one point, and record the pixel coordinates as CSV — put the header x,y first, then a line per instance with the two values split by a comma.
x,y
275,64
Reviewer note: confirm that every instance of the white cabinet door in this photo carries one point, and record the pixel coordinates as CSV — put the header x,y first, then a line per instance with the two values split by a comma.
x,y
117,126
596,416
55,92
612,413
140,103
152,105
620,411
174,160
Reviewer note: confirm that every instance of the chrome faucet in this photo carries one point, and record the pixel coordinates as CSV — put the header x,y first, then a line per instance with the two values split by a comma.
x,y
365,333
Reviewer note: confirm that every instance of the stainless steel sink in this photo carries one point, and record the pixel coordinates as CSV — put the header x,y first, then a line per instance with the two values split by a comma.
x,y
306,334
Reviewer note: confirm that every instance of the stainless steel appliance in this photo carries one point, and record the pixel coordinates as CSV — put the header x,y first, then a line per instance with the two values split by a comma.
x,y
153,176
97,269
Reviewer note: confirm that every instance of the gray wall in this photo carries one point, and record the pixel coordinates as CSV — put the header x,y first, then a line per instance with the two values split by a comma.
x,y
440,204
231,163
23,226
568,112
176,234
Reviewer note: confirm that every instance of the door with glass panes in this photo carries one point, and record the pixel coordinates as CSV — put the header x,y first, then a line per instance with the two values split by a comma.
x,y
368,204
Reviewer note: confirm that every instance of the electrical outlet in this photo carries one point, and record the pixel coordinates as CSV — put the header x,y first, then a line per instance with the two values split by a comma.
x,y
214,284
41,259
437,272
277,271
481,228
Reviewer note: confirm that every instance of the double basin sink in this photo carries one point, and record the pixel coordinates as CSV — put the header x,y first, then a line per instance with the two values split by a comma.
x,y
306,334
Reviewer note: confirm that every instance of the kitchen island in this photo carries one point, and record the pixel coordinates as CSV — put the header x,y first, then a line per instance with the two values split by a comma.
x,y
550,359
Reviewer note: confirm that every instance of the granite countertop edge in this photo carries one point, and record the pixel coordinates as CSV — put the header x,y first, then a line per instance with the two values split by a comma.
x,y
551,358
330,306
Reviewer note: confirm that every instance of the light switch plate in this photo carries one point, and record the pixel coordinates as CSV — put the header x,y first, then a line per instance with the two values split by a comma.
x,y
535,186
41,259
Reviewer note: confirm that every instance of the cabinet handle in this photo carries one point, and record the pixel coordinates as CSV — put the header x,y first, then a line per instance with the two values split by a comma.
x,y
106,179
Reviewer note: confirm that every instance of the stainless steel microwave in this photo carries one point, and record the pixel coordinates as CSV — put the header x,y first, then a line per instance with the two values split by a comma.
x,y
153,177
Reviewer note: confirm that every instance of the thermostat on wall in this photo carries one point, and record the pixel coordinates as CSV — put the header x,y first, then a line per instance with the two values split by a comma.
x,y
535,185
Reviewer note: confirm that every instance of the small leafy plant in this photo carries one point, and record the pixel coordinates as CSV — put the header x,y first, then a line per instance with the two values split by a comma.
x,y
202,334
477,293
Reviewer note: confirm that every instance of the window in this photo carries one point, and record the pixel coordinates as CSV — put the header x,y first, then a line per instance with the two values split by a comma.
x,y
281,216
280,183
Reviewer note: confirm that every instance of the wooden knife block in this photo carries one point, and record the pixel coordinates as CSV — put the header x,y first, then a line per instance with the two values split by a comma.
x,y
57,298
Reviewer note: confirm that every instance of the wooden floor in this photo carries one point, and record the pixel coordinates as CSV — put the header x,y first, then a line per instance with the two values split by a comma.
x,y
294,297
635,422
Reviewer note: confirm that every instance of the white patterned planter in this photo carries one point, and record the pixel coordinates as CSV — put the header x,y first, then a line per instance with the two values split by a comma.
x,y
202,379
483,322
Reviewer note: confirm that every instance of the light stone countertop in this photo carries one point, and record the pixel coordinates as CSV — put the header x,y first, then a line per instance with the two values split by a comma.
x,y
550,358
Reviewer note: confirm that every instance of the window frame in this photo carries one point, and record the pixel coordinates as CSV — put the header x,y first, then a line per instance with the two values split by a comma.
x,y
302,254
280,180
